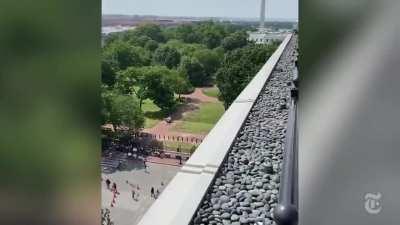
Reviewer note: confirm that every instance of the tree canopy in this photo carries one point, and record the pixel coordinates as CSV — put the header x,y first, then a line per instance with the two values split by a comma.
x,y
109,67
210,60
152,31
167,56
151,45
238,68
194,70
235,40
159,86
125,55
121,111
157,83
156,63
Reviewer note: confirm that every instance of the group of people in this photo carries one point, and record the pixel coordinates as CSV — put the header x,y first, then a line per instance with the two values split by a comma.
x,y
113,188
154,194
135,191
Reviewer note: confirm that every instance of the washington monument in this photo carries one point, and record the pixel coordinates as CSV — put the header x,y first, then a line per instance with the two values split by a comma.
x,y
262,15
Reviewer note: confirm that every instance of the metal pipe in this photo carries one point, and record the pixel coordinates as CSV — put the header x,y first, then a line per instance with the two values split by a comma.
x,y
286,212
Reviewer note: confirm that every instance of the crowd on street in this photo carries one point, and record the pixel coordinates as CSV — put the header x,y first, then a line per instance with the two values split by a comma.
x,y
136,190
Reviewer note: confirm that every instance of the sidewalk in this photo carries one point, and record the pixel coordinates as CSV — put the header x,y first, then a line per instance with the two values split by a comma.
x,y
164,161
125,210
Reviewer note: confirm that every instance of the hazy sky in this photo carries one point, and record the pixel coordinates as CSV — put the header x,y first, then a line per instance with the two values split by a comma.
x,y
277,9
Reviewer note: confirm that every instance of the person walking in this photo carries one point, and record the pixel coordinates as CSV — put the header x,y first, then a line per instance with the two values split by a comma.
x,y
137,196
133,194
108,182
157,193
145,165
152,192
114,187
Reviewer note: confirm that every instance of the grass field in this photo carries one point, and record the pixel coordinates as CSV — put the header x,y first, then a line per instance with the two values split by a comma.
x,y
173,145
212,92
152,113
201,121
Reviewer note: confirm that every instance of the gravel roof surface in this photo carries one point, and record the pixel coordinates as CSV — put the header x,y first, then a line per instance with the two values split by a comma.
x,y
246,187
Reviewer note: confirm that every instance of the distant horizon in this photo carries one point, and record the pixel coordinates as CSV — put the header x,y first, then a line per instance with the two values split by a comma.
x,y
217,17
250,9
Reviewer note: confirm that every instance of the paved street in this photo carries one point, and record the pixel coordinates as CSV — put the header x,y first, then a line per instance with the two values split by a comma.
x,y
127,211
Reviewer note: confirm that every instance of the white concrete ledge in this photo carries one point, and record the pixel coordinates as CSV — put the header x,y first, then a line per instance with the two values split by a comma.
x,y
252,90
181,198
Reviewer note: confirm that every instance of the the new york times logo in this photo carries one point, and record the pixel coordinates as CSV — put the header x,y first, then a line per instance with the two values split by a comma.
x,y
372,203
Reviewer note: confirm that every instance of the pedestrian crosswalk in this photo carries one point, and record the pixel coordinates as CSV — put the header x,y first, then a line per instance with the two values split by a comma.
x,y
113,161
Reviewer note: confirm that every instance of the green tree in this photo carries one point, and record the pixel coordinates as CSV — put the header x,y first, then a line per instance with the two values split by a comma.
x,y
210,61
185,49
159,87
121,111
239,67
152,31
126,55
132,81
179,82
108,70
167,56
106,96
187,34
144,83
140,40
211,33
134,38
235,40
212,39
194,71
151,45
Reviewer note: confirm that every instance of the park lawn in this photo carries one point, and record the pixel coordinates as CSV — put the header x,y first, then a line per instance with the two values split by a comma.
x,y
183,146
201,121
194,127
207,113
152,113
211,92
149,123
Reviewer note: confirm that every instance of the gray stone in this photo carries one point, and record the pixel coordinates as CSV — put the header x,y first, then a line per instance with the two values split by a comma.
x,y
255,192
247,186
215,212
225,215
216,206
257,204
224,199
234,217
243,220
